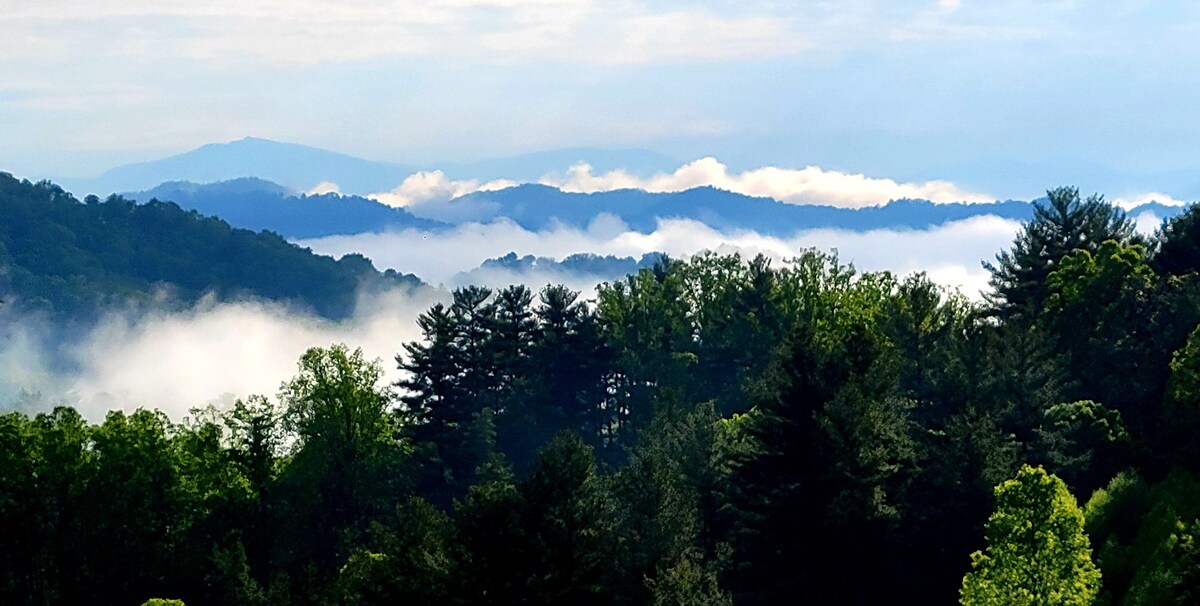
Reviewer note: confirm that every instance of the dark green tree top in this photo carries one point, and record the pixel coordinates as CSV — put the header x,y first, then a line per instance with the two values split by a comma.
x,y
1060,225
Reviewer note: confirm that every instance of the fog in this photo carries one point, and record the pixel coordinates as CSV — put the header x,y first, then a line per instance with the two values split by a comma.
x,y
951,253
175,361
216,352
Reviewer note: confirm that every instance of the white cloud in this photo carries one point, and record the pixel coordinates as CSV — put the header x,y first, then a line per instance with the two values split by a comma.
x,y
1147,223
306,32
322,188
434,186
1134,201
951,253
809,185
423,191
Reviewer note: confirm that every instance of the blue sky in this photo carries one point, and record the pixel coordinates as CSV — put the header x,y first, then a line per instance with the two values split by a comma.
x,y
995,96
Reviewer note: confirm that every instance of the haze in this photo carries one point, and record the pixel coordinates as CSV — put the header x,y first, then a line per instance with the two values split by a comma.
x,y
1006,97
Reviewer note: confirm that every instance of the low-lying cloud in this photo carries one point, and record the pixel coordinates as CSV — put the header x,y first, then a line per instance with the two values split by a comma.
x,y
216,352
212,353
1134,201
808,185
434,186
950,253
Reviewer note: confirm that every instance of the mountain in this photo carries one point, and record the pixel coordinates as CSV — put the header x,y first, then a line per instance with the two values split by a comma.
x,y
257,204
538,207
301,167
73,259
297,166
579,266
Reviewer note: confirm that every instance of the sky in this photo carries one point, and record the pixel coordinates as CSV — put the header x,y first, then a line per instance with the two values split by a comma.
x,y
997,96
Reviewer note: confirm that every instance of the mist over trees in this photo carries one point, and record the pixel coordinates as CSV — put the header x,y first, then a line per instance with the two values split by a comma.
x,y
74,259
712,431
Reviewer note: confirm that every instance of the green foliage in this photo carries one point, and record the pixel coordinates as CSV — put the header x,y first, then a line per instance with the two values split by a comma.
x,y
74,259
1037,552
1060,226
705,432
565,521
1181,414
1099,312
666,506
346,462
416,563
828,461
231,579
687,584
1083,442
1146,536
1177,244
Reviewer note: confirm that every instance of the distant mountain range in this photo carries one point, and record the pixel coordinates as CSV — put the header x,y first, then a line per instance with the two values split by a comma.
x,y
538,207
297,166
301,167
258,183
258,204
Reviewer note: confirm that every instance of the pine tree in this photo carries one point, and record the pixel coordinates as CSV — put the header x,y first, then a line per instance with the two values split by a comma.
x,y
1061,225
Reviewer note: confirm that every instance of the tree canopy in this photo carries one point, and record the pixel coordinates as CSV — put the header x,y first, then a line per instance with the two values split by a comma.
x,y
1037,553
715,430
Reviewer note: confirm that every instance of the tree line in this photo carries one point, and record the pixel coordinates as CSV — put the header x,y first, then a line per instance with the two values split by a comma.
x,y
710,431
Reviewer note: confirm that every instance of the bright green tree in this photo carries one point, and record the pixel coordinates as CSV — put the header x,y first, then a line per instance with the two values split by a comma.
x,y
347,465
1038,554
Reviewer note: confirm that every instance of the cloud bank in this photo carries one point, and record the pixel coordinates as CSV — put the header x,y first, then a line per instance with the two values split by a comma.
x,y
177,361
950,253
808,185
434,186
217,352
1134,201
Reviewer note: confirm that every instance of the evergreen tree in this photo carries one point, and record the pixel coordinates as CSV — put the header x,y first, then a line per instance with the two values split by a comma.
x,y
1177,244
826,439
1060,225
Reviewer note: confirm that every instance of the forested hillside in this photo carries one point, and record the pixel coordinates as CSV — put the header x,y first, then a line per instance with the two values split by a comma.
x,y
74,259
714,431
538,207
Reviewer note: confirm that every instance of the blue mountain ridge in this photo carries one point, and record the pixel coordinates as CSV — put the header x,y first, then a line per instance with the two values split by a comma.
x,y
538,207
302,167
294,165
258,204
